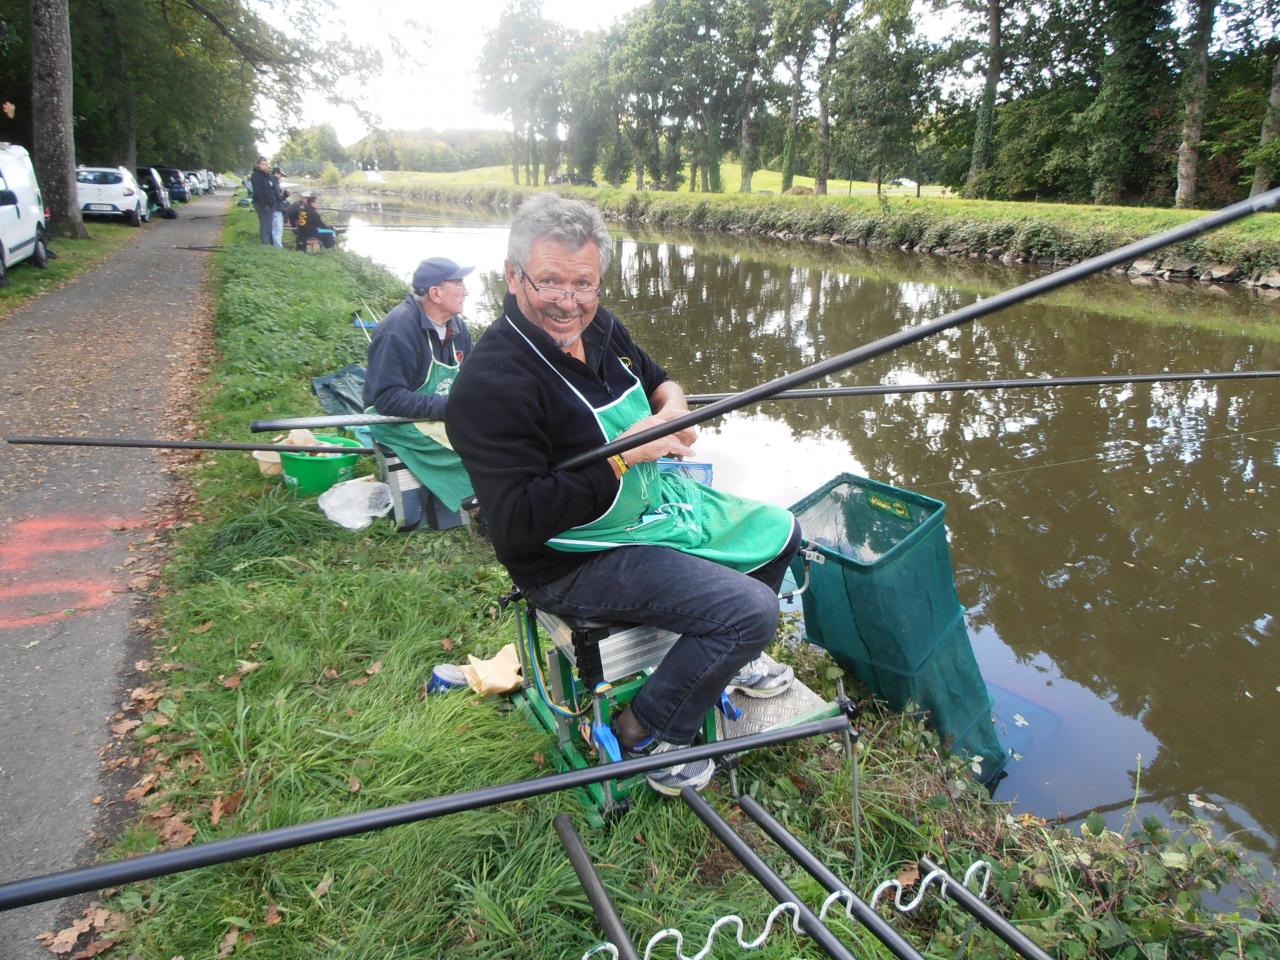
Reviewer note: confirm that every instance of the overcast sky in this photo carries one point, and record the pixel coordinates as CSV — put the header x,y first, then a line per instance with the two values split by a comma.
x,y
439,91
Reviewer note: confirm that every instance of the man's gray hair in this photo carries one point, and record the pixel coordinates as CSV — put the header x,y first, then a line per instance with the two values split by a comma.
x,y
570,223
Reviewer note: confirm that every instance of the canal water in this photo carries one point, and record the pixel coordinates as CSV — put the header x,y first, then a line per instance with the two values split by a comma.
x,y
1117,547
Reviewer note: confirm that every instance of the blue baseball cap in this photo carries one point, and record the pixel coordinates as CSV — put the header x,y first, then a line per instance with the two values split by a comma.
x,y
437,270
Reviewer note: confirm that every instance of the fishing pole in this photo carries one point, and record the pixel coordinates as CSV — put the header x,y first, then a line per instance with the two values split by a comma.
x,y
870,390
181,444
982,308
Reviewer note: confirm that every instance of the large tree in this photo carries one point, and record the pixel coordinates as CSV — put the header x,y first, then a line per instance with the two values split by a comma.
x,y
1195,83
53,130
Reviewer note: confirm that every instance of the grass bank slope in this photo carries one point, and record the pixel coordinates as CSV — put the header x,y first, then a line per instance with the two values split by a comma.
x,y
991,229
286,687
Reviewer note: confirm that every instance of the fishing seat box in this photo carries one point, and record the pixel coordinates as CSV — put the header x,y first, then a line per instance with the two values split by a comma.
x,y
412,504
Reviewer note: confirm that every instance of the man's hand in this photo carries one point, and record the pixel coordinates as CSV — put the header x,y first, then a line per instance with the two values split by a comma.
x,y
674,445
668,401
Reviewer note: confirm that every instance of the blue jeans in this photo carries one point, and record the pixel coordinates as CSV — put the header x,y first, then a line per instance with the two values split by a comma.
x,y
725,619
277,229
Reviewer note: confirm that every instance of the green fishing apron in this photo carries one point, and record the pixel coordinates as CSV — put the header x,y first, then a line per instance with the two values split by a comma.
x,y
423,445
667,509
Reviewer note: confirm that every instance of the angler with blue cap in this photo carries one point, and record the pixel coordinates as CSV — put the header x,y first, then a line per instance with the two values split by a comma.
x,y
413,359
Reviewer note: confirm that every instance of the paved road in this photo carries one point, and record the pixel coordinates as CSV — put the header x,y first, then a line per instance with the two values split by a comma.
x,y
111,353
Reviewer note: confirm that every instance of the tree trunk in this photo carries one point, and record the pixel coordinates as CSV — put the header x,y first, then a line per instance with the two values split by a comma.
x,y
1195,84
53,136
822,157
793,120
515,154
746,147
1270,121
987,106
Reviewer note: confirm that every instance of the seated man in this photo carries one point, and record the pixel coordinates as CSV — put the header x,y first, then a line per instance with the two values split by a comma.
x,y
617,539
311,226
413,359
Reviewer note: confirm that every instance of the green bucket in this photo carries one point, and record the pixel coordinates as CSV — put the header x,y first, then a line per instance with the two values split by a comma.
x,y
309,474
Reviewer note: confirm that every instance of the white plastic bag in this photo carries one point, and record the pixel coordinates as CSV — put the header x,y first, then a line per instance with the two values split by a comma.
x,y
354,503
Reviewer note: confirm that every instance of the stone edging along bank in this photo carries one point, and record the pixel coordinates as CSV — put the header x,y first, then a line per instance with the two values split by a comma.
x,y
1046,234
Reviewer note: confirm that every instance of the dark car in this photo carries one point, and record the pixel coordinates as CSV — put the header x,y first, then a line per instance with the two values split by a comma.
x,y
175,182
157,193
572,179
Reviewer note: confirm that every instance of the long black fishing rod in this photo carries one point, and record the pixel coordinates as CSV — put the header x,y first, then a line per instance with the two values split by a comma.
x,y
23,893
958,385
181,444
1034,288
819,393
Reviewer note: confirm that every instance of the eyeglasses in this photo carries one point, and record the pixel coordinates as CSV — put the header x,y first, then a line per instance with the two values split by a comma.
x,y
581,296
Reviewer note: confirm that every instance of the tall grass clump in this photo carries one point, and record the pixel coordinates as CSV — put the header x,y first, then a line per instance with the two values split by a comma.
x,y
287,686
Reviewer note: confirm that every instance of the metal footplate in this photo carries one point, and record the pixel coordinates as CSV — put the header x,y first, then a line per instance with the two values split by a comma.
x,y
607,652
798,704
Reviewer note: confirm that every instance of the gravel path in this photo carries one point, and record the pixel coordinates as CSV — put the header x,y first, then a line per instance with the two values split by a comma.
x,y
113,353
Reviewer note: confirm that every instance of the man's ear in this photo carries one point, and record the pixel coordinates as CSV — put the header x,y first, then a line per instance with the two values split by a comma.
x,y
513,278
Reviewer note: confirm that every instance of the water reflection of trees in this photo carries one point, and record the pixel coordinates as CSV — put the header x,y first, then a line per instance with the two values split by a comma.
x,y
1142,563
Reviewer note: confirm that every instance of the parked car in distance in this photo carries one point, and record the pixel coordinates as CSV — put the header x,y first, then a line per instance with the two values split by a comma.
x,y
22,212
157,194
111,192
572,179
175,183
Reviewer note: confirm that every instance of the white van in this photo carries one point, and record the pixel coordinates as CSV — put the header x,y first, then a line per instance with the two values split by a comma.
x,y
22,213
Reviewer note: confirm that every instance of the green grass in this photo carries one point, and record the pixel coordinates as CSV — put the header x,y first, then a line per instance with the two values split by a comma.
x,y
74,257
333,633
1032,231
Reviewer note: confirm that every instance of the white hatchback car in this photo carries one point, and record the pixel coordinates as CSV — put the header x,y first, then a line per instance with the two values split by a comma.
x,y
113,192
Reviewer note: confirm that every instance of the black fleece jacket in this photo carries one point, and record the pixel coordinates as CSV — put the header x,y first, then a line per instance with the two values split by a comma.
x,y
512,417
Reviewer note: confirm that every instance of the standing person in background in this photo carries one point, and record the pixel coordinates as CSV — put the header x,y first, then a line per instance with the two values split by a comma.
x,y
277,215
266,198
415,354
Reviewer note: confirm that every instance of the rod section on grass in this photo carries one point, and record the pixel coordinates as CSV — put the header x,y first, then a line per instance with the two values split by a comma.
x,y
976,907
594,888
819,393
879,389
1034,288
802,855
21,893
756,866
181,444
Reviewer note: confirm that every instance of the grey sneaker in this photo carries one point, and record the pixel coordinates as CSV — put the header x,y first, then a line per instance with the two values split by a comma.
x,y
671,780
762,678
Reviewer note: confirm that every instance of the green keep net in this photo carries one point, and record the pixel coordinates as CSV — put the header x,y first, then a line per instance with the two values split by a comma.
x,y
884,603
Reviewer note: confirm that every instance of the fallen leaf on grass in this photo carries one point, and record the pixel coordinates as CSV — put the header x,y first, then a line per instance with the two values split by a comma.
x,y
144,698
909,876
358,681
176,832
323,886
273,914
448,643
229,942
539,759
124,726
93,949
376,668
65,939
246,666
232,682
203,628
331,674
353,782
141,788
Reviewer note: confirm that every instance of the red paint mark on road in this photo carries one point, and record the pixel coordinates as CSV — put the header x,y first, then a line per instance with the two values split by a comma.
x,y
29,546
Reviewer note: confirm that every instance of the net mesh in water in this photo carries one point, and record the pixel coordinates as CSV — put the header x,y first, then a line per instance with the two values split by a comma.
x,y
884,603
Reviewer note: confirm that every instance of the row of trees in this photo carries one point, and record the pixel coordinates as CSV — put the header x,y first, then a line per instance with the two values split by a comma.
x,y
1087,100
112,82
438,151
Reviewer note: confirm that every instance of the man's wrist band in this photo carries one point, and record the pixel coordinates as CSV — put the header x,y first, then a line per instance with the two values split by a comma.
x,y
622,464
